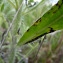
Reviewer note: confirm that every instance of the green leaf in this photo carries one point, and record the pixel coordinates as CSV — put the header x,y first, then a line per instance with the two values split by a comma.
x,y
53,19
26,17
30,15
2,7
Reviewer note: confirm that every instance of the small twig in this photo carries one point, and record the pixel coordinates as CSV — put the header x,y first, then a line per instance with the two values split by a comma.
x,y
41,42
3,35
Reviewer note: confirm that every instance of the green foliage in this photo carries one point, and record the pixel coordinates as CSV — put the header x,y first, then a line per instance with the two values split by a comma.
x,y
52,18
33,22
